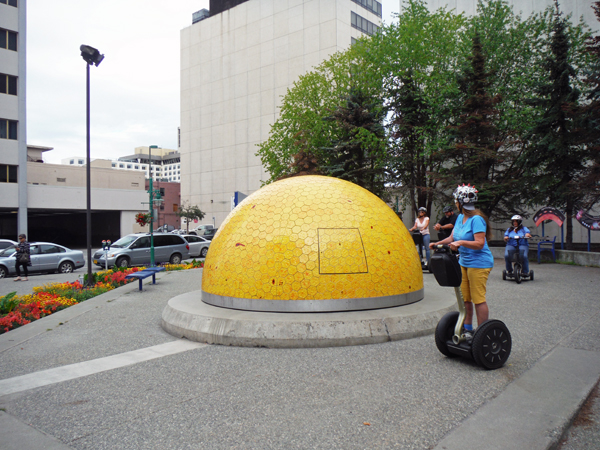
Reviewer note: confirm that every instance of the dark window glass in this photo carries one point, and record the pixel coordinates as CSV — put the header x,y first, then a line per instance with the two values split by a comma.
x,y
3,129
12,3
3,38
12,129
12,85
12,174
49,249
3,84
3,173
12,41
143,242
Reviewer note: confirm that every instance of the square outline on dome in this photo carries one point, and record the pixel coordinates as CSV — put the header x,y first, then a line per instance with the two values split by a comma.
x,y
364,259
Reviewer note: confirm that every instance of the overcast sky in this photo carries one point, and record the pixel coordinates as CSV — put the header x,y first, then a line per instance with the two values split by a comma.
x,y
134,91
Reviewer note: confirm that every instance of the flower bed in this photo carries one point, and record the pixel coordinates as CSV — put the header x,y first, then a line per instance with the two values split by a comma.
x,y
16,310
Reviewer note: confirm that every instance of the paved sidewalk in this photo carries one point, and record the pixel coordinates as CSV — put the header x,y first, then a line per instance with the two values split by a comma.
x,y
104,375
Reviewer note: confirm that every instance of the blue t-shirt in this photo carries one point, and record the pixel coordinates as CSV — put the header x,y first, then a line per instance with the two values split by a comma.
x,y
477,259
521,233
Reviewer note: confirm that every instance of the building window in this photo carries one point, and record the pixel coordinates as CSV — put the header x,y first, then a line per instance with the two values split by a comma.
x,y
362,24
129,166
370,5
9,2
8,39
80,161
8,84
121,166
8,129
137,167
175,207
143,167
72,161
114,164
8,174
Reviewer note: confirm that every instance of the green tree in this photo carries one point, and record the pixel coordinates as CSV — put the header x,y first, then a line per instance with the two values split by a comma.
x,y
190,213
589,125
358,151
412,162
558,160
478,155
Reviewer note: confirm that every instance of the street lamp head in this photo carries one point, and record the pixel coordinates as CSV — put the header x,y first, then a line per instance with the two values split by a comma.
x,y
91,55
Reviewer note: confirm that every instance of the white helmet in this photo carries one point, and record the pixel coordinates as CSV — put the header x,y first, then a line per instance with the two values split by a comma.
x,y
465,195
517,217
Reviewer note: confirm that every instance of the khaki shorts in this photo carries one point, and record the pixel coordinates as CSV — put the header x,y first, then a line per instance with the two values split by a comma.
x,y
474,283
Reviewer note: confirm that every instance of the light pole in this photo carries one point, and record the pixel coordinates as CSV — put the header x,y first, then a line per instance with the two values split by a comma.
x,y
151,193
92,57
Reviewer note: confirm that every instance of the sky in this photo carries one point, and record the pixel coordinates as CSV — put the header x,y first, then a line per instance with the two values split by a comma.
x,y
134,91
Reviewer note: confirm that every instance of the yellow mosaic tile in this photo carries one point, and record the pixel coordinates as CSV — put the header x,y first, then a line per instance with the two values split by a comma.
x,y
312,238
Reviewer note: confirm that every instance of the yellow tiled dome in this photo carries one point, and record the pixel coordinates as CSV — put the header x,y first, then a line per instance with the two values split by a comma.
x,y
312,243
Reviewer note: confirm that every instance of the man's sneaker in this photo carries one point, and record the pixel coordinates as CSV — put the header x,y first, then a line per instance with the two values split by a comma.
x,y
468,335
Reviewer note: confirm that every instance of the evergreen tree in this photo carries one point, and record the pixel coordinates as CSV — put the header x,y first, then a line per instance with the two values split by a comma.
x,y
589,125
558,161
358,151
477,155
305,162
412,162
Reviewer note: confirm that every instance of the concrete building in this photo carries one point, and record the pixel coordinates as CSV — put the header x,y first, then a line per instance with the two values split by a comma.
x,y
13,130
236,64
578,8
57,202
166,164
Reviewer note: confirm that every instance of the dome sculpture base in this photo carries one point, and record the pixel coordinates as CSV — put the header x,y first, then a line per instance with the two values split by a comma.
x,y
187,316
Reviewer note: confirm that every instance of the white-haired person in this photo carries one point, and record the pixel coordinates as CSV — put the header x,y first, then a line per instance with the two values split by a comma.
x,y
516,241
469,237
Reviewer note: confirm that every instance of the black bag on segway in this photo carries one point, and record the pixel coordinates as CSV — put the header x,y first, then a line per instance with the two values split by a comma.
x,y
445,267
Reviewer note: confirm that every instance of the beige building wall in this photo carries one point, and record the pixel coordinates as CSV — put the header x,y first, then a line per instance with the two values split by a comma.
x,y
235,67
578,8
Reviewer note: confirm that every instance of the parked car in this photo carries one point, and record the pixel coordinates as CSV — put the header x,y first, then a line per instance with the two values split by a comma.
x,y
210,234
5,243
198,245
45,257
134,250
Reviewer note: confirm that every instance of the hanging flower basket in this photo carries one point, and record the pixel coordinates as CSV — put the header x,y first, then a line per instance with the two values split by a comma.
x,y
143,219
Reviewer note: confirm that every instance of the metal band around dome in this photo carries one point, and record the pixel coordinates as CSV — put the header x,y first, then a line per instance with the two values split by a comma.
x,y
334,305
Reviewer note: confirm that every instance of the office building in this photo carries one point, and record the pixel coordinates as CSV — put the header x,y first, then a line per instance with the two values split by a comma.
x,y
237,62
13,131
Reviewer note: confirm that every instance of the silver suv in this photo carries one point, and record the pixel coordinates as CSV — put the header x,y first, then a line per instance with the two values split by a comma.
x,y
134,250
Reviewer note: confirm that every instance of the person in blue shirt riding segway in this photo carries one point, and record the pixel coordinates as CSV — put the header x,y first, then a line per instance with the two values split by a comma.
x,y
516,238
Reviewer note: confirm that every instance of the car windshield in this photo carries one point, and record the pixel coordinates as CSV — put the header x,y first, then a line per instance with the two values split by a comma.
x,y
7,252
124,242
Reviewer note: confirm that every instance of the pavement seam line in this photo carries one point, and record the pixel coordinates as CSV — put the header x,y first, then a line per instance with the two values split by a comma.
x,y
82,369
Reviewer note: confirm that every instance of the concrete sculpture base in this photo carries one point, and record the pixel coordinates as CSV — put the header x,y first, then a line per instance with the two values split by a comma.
x,y
187,316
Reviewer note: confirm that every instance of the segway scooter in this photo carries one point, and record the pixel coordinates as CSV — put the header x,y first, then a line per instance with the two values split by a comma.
x,y
491,343
418,240
517,273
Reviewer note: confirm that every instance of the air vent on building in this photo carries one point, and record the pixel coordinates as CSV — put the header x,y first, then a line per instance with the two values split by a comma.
x,y
200,15
135,184
61,180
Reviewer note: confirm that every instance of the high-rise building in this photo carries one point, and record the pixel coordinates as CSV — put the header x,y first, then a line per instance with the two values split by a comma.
x,y
578,8
237,62
13,132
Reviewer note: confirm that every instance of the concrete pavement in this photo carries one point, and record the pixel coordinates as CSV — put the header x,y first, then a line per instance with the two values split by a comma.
x,y
400,394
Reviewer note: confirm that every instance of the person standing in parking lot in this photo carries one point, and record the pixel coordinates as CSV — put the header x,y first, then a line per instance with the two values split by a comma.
x,y
23,256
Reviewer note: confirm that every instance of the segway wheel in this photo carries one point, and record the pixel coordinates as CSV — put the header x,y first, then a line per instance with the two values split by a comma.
x,y
444,332
504,275
531,275
491,344
518,275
